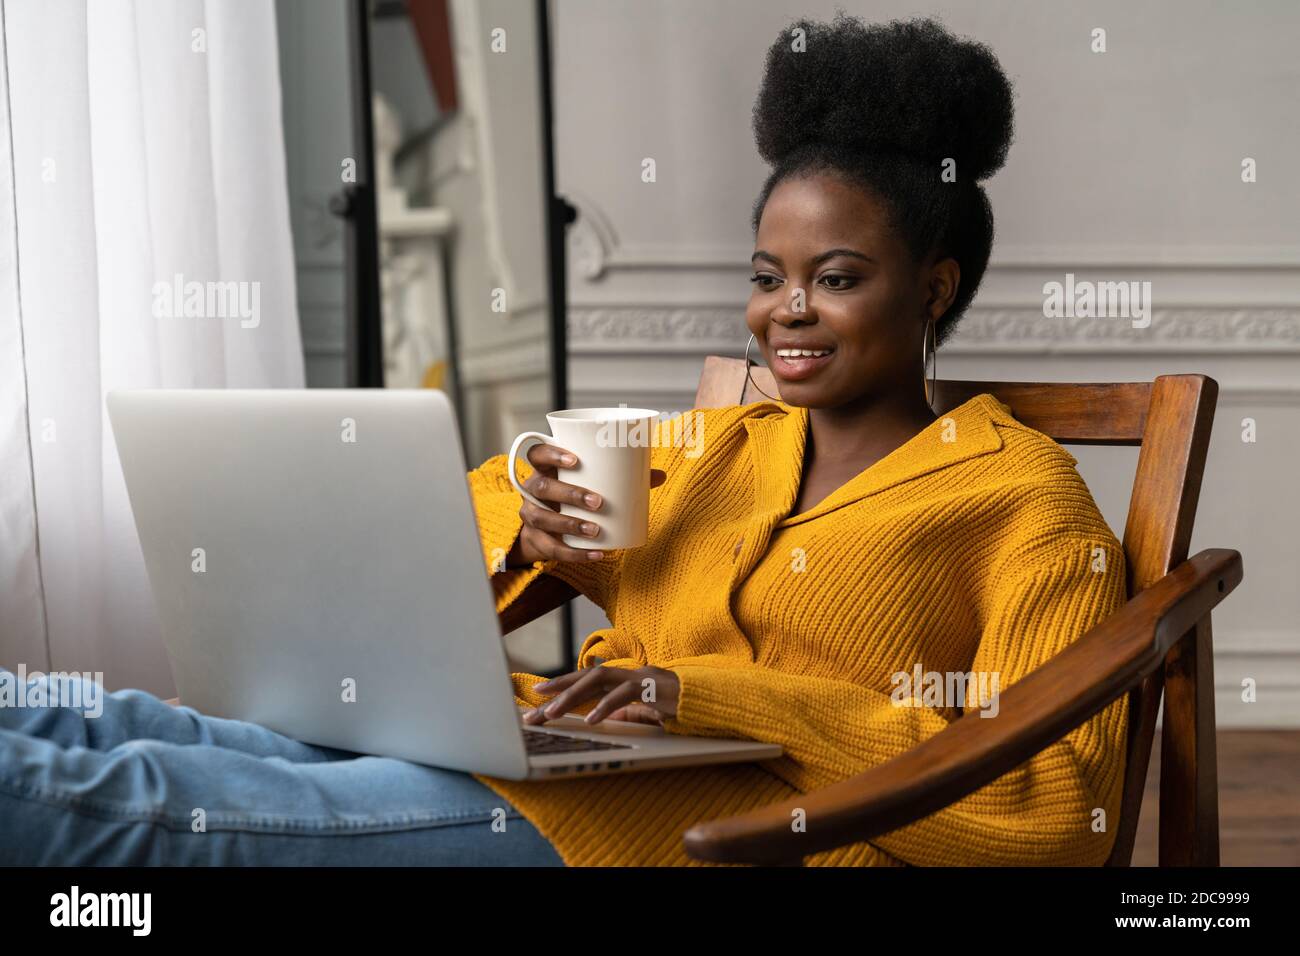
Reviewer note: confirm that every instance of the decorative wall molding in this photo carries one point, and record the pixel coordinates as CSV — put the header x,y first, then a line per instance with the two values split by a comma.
x,y
674,329
591,239
658,328
1170,330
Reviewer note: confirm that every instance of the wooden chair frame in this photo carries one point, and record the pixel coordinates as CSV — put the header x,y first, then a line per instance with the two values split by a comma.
x,y
1158,643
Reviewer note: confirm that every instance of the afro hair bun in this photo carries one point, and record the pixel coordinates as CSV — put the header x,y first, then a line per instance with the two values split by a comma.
x,y
908,86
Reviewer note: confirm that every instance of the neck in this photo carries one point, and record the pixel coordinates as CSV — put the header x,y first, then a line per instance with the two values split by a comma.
x,y
866,429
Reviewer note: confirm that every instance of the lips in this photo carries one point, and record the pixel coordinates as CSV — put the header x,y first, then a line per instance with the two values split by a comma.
x,y
792,361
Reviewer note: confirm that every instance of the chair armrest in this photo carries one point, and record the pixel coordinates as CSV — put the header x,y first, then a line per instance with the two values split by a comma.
x,y
542,596
973,751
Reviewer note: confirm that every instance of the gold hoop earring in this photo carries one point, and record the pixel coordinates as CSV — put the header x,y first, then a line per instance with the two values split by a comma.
x,y
748,363
928,355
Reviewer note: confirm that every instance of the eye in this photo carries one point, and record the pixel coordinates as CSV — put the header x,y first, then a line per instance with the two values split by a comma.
x,y
764,280
839,283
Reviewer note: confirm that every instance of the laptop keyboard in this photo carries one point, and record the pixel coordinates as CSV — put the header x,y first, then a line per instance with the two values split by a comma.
x,y
537,742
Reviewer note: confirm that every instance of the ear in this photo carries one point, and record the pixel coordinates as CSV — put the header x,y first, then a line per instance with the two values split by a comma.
x,y
943,282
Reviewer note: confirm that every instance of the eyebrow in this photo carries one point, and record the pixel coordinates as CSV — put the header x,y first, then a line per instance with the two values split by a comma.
x,y
816,260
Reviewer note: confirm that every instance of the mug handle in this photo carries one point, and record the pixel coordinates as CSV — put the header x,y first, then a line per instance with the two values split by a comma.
x,y
510,464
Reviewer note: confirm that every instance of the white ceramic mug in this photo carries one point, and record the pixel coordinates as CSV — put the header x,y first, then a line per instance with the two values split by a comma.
x,y
613,449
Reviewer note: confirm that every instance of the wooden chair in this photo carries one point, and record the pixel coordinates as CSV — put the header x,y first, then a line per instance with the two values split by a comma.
x,y
1160,641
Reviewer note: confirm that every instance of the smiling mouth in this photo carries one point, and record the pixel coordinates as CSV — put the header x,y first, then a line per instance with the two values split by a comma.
x,y
794,364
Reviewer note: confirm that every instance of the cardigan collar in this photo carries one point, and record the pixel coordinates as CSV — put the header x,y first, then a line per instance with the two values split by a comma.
x,y
778,441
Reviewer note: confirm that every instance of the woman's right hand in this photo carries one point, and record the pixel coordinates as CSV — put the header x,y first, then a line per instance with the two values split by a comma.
x,y
539,539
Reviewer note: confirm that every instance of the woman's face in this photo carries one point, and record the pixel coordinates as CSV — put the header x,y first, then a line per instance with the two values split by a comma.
x,y
831,277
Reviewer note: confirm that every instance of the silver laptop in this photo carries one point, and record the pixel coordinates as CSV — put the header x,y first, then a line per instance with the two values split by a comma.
x,y
317,570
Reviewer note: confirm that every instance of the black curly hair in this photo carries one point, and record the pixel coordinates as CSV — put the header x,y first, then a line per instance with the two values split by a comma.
x,y
882,106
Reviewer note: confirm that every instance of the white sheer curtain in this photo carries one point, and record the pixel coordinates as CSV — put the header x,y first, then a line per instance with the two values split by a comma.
x,y
139,141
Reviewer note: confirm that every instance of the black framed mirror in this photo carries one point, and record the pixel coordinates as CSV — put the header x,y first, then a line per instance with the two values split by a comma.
x,y
443,265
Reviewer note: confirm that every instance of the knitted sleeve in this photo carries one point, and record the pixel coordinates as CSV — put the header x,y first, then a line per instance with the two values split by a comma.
x,y
1059,808
496,506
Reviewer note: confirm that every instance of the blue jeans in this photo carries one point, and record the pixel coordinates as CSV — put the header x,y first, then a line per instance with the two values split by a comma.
x,y
148,783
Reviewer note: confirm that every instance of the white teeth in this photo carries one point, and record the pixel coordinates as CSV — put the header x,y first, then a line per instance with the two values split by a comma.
x,y
798,353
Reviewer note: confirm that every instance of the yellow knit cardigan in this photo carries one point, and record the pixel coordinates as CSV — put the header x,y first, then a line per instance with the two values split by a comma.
x,y
975,547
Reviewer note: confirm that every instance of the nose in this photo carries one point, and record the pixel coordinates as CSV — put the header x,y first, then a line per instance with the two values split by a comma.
x,y
794,309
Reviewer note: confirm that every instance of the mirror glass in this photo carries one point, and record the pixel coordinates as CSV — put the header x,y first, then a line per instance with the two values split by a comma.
x,y
461,196
459,169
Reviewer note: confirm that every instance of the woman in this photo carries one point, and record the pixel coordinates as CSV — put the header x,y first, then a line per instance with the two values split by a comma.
x,y
824,549
806,579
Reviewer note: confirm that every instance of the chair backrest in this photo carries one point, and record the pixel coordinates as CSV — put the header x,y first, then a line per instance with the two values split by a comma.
x,y
1170,418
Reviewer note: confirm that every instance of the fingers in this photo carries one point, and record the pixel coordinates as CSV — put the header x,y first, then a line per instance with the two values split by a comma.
x,y
624,693
544,484
549,456
557,684
545,519
549,488
547,459
621,690
548,524
637,713
540,545
575,688
543,526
